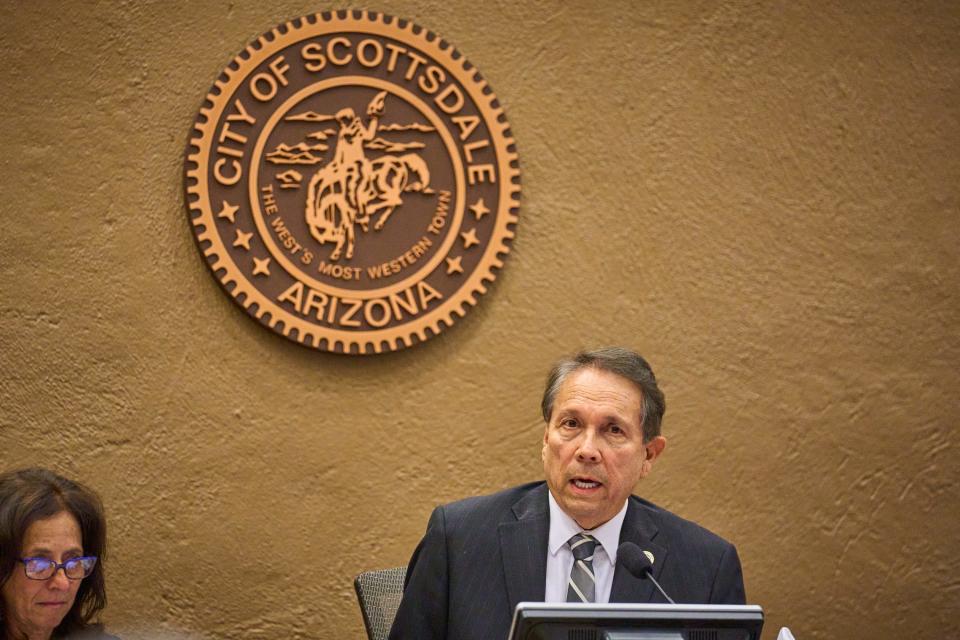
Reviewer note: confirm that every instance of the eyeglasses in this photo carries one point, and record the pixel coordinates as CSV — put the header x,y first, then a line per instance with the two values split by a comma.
x,y
44,568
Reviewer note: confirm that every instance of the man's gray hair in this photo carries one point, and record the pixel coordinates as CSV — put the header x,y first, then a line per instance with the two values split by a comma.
x,y
622,362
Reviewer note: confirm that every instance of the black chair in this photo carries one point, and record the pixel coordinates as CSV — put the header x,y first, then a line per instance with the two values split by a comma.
x,y
379,593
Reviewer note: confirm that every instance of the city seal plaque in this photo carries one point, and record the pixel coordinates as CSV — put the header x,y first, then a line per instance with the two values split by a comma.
x,y
352,182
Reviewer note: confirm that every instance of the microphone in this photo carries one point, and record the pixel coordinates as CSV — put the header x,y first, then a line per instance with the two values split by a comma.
x,y
637,563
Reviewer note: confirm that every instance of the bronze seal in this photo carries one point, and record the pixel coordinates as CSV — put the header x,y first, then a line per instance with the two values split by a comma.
x,y
352,182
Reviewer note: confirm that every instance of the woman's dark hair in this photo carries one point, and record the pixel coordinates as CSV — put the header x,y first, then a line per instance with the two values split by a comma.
x,y
28,495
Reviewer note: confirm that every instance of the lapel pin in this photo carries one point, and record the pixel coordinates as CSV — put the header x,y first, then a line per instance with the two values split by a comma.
x,y
649,556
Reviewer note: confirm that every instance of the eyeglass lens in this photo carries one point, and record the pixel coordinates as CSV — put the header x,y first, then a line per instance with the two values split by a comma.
x,y
75,568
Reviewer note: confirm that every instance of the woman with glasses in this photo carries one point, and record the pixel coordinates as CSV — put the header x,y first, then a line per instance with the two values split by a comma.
x,y
52,544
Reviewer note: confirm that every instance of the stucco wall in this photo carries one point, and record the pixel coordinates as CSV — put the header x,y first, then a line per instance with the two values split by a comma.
x,y
760,197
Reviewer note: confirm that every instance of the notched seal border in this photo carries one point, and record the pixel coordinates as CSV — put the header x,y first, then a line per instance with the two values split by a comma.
x,y
270,313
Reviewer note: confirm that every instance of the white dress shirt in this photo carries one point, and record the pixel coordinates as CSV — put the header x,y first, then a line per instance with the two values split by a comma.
x,y
560,557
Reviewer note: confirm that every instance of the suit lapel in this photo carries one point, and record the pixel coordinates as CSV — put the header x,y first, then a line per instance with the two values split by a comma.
x,y
640,529
523,547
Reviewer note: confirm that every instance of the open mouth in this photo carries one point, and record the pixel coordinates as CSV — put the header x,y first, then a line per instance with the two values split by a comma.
x,y
585,484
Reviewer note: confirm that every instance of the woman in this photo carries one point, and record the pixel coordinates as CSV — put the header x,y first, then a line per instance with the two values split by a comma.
x,y
52,545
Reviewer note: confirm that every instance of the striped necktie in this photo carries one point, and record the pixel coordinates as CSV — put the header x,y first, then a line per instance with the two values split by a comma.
x,y
582,584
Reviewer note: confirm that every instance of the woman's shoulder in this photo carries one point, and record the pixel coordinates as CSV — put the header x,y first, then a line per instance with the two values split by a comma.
x,y
94,632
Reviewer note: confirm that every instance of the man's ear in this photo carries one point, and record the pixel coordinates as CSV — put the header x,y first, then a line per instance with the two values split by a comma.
x,y
651,451
543,450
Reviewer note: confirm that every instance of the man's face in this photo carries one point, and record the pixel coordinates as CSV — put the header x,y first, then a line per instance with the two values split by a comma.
x,y
593,449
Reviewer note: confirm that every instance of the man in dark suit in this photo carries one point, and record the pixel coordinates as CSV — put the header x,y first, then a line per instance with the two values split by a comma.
x,y
483,555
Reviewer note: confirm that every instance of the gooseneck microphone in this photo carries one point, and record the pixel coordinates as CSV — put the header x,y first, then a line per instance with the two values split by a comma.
x,y
637,563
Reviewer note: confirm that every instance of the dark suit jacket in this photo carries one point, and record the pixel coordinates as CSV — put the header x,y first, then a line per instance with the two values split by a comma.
x,y
483,555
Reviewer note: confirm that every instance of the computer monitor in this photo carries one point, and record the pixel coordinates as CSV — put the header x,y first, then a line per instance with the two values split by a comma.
x,y
585,621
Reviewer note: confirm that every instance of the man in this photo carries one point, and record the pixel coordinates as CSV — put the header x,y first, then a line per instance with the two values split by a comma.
x,y
557,541
352,164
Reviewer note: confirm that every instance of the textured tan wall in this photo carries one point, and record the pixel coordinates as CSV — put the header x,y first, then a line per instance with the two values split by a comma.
x,y
761,197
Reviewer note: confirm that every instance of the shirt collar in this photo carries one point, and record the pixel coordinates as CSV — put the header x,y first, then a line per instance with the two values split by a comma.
x,y
563,527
